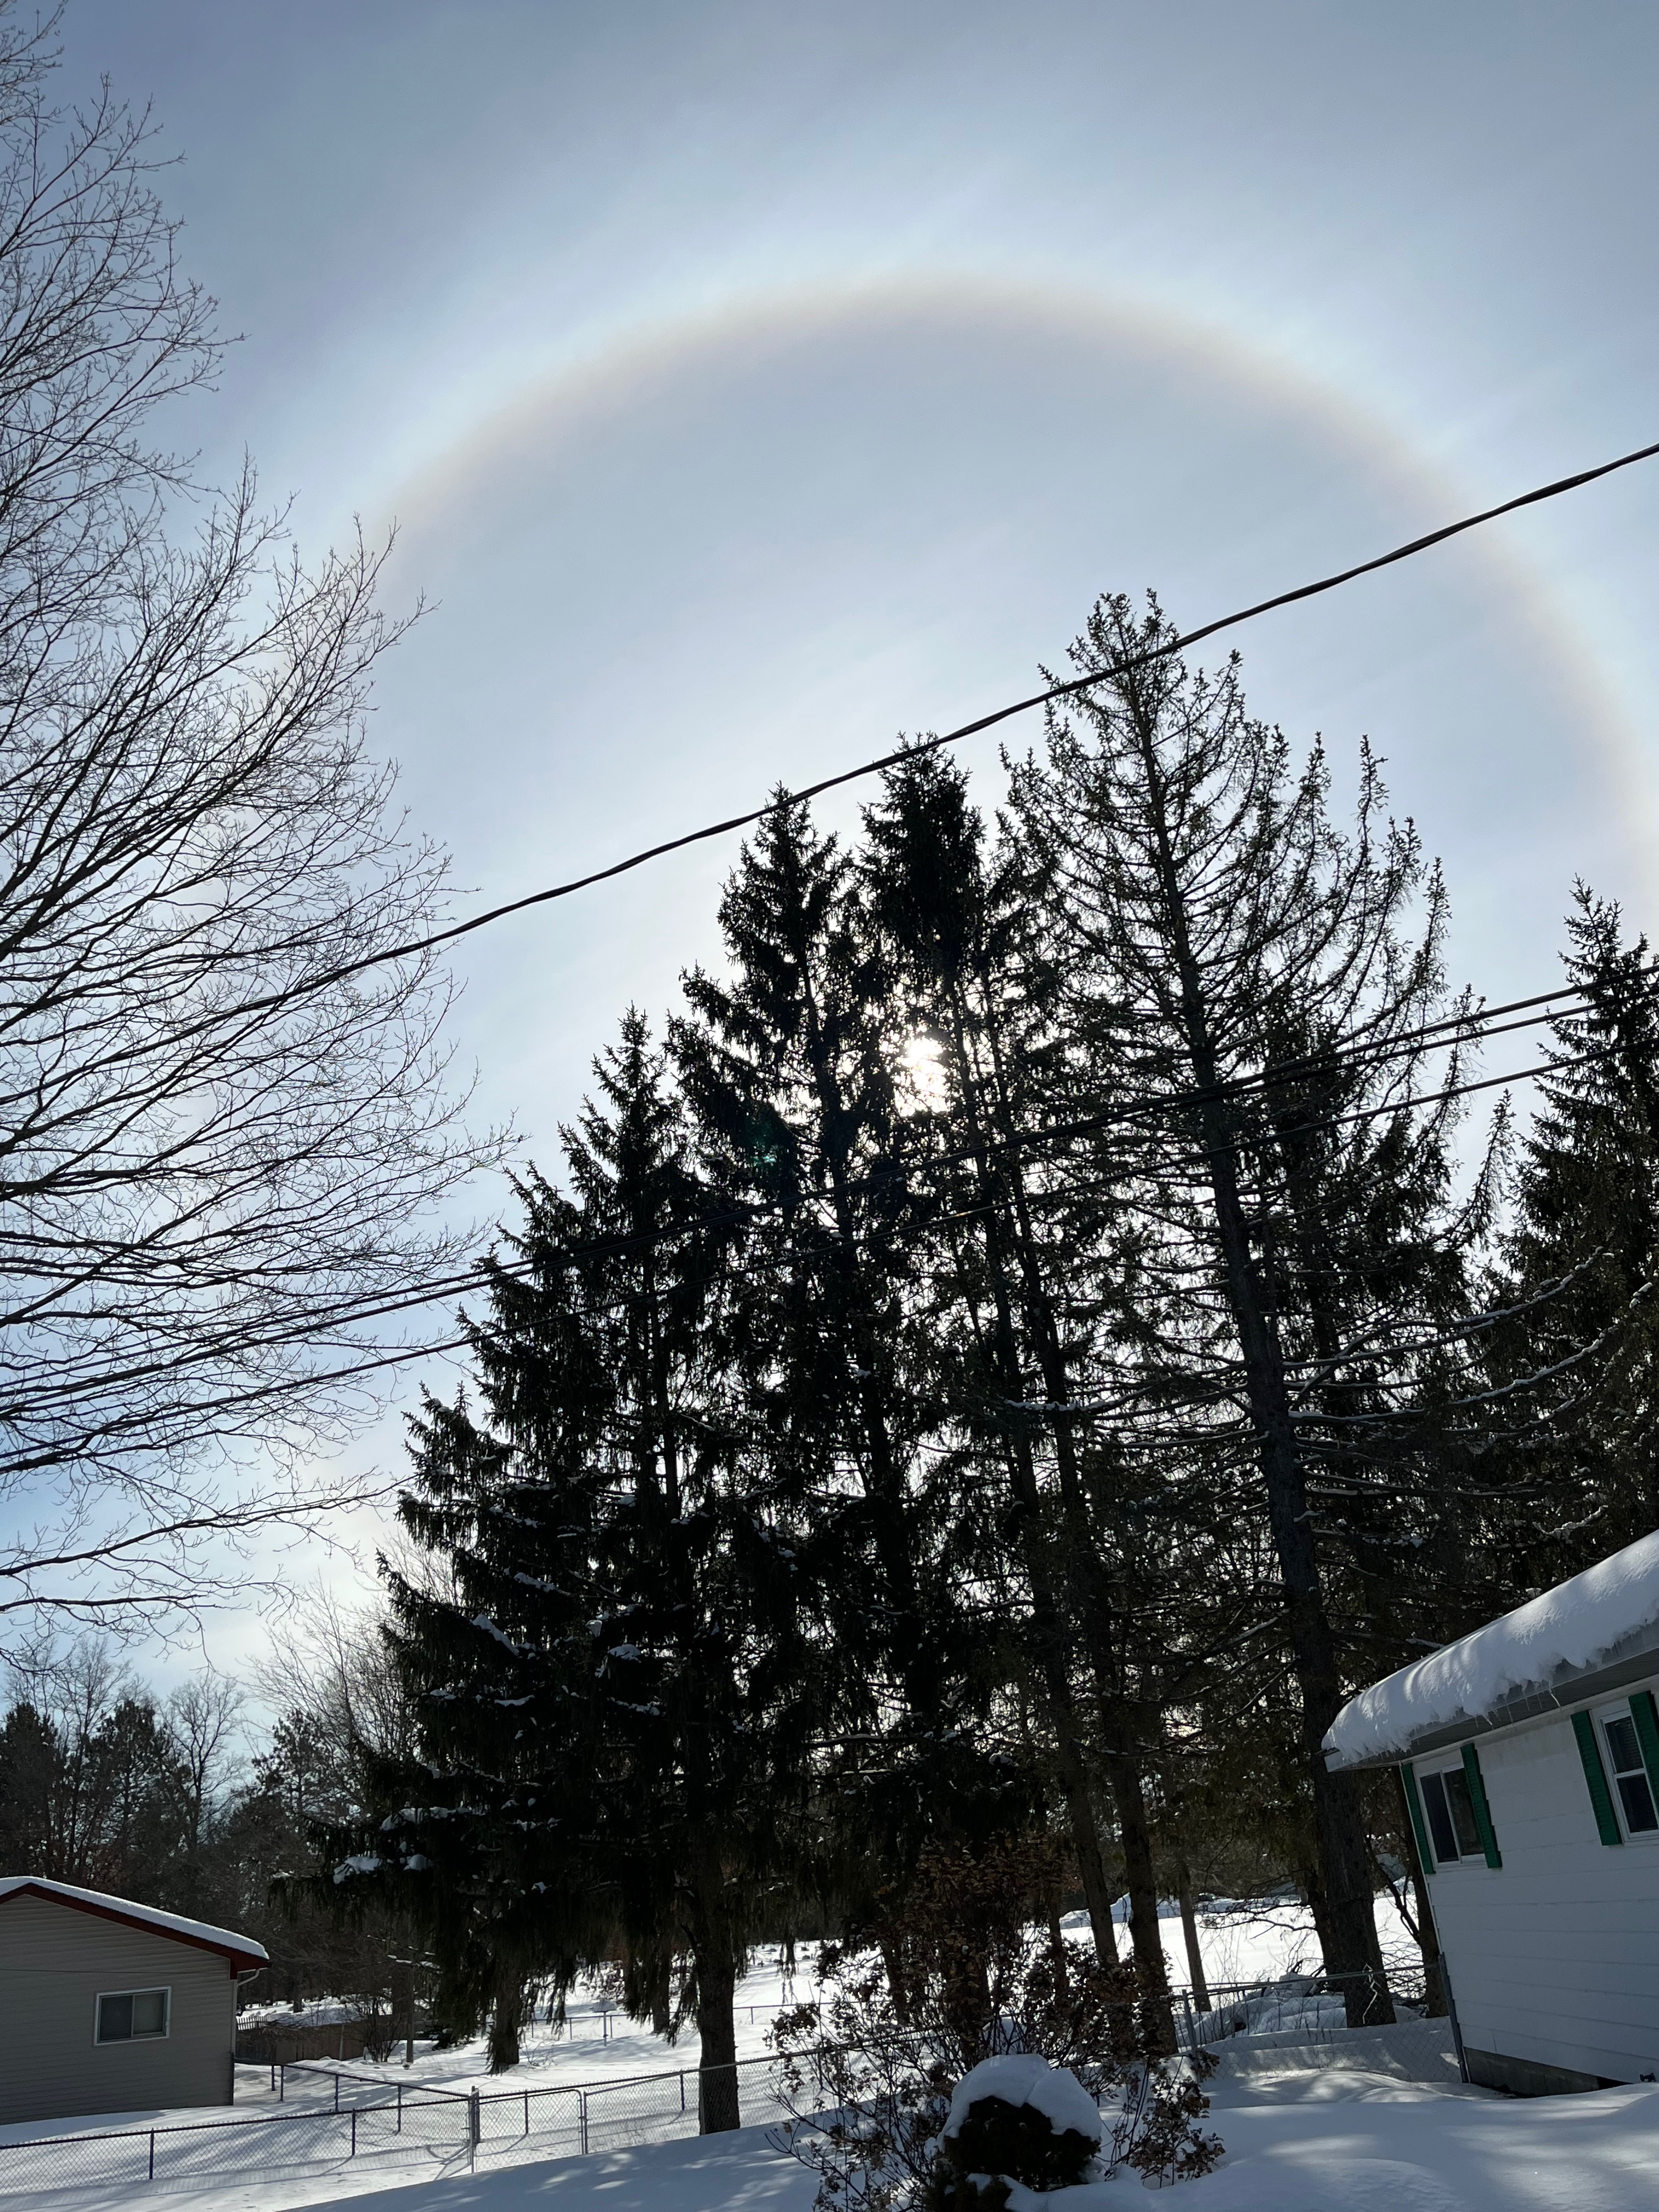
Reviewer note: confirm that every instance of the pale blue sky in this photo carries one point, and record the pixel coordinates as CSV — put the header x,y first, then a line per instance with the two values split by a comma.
x,y
749,382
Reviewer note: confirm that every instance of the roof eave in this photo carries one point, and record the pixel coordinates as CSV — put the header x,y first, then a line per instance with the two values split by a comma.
x,y
249,1955
1569,1686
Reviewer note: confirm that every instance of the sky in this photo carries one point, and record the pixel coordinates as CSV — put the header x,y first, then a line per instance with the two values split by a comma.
x,y
747,384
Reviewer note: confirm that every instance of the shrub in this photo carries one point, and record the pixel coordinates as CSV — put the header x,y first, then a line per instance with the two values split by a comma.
x,y
871,2073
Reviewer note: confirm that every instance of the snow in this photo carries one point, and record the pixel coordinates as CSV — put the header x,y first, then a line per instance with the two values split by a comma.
x,y
172,1923
1023,2078
1250,1939
1384,2147
1315,2142
741,2171
1362,2140
1570,1628
1243,1940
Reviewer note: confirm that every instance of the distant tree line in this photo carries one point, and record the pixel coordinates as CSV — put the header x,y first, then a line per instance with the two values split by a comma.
x,y
1033,1332
197,1802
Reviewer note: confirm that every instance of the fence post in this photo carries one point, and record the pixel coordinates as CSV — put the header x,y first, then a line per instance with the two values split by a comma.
x,y
681,2091
400,2108
582,2096
526,2111
152,2154
475,2124
353,2131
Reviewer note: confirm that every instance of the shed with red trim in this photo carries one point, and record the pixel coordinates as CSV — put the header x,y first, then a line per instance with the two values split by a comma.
x,y
113,2007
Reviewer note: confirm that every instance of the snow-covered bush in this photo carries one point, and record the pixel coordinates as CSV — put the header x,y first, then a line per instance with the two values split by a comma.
x,y
871,2070
1013,2119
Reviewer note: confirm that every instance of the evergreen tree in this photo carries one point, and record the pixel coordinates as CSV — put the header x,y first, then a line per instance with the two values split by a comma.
x,y
612,1675
1218,939
1576,1361
789,1063
1011,1275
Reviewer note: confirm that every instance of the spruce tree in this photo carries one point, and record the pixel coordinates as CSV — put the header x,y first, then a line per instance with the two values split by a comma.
x,y
789,1061
1219,942
1575,1360
955,930
611,1670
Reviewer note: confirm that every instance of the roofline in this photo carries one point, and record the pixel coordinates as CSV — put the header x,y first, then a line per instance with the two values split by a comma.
x,y
1572,1686
242,1955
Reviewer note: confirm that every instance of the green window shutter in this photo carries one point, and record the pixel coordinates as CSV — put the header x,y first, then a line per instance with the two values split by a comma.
x,y
1607,1821
1419,1827
1642,1712
1482,1810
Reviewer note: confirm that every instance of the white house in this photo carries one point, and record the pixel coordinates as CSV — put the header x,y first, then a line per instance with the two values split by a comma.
x,y
113,2007
1530,1754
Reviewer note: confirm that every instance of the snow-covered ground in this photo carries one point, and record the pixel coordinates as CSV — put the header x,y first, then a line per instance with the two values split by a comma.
x,y
1241,1941
1244,1940
1309,2143
427,2166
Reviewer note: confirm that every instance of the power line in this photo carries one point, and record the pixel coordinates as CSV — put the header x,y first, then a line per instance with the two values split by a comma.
x,y
1067,690
1356,1050
1071,688
621,1246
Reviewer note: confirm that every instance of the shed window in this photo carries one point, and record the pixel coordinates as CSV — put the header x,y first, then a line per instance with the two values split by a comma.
x,y
1629,1772
1452,1824
132,2016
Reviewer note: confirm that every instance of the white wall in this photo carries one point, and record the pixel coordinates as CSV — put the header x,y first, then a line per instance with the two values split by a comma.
x,y
1554,1956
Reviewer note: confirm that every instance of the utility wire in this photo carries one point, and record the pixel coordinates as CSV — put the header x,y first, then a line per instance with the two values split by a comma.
x,y
621,1246
1071,688
1472,1027
1067,690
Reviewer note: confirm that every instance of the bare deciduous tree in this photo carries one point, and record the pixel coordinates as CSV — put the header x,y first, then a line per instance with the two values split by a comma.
x,y
219,1153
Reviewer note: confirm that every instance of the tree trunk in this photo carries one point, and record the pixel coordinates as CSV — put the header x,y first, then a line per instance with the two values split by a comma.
x,y
1428,1936
1057,1952
1190,1932
1352,1955
1150,1974
893,1967
403,2007
1085,1842
1047,1617
717,2069
506,2012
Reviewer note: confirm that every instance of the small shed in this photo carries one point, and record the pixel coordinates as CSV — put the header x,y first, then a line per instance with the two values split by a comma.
x,y
111,2007
1528,1754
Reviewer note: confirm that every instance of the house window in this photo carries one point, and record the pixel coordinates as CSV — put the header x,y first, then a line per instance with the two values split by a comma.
x,y
132,2016
1629,1772
1450,1811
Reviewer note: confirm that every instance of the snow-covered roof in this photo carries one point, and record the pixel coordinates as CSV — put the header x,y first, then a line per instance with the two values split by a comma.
x,y
1026,2078
241,1950
1574,1641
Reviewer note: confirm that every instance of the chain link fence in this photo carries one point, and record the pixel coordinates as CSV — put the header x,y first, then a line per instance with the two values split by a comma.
x,y
329,2116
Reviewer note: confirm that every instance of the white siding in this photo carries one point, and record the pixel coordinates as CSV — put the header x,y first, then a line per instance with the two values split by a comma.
x,y
54,1961
1554,1956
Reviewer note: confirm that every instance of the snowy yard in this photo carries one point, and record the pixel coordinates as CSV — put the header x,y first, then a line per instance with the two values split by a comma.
x,y
1299,2143
1296,2142
1241,1942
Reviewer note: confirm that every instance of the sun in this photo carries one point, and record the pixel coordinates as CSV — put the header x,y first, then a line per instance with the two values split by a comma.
x,y
922,1088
